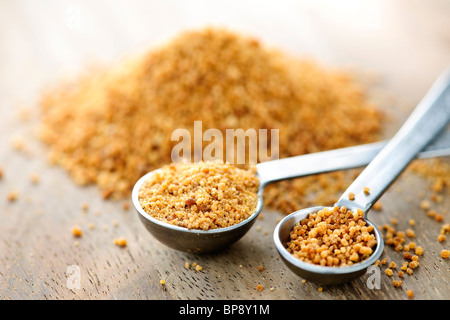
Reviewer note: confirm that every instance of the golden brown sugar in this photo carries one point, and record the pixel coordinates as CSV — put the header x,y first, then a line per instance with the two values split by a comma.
x,y
18,143
442,233
112,125
77,232
431,213
400,235
259,287
389,272
410,233
198,267
351,196
366,190
419,250
203,195
377,206
34,178
425,204
437,198
260,268
436,170
445,229
392,265
332,237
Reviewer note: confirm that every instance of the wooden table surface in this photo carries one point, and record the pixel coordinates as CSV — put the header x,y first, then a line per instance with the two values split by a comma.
x,y
406,44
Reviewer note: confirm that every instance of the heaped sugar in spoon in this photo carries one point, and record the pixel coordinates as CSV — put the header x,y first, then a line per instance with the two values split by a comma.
x,y
429,117
307,240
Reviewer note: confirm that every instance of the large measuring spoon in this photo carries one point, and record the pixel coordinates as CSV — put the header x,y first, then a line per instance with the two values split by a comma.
x,y
427,120
200,241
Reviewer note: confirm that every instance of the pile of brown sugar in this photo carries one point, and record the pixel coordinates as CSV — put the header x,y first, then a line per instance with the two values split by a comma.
x,y
110,126
332,238
202,195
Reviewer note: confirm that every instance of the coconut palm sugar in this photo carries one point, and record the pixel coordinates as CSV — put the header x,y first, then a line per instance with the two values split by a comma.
x,y
202,195
111,126
445,254
120,242
332,237
436,171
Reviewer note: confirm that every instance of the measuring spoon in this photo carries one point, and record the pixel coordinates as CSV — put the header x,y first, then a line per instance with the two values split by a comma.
x,y
428,119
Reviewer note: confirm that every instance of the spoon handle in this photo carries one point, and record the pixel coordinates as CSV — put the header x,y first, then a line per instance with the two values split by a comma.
x,y
427,120
339,159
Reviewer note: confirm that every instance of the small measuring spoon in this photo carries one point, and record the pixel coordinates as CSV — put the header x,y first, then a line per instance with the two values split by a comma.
x,y
427,120
200,241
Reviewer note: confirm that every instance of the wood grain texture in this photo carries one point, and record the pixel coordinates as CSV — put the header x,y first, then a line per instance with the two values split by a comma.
x,y
405,43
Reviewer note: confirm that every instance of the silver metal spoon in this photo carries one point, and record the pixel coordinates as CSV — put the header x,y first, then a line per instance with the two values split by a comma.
x,y
428,119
